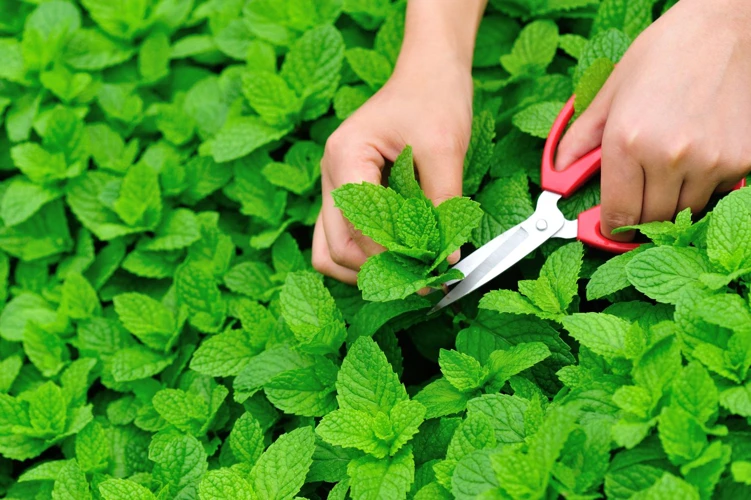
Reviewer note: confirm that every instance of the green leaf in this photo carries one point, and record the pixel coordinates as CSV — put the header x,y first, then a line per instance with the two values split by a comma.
x,y
372,209
224,354
387,276
154,56
668,486
352,429
139,202
373,478
179,229
631,17
46,350
505,412
71,483
611,277
179,461
480,152
602,333
246,439
280,472
241,136
440,398
225,484
366,381
663,273
591,82
681,435
92,450
79,299
533,50
124,489
537,119
147,319
457,218
402,177
503,364
372,67
462,371
610,44
311,313
726,239
134,363
197,290
307,391
271,97
22,199
312,68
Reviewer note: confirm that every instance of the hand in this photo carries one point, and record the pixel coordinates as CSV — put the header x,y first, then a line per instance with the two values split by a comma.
x,y
427,107
427,104
674,118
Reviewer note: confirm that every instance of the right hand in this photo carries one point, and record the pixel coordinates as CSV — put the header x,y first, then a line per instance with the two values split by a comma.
x,y
425,104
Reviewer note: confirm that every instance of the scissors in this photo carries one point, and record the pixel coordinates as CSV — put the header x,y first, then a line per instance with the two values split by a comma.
x,y
545,223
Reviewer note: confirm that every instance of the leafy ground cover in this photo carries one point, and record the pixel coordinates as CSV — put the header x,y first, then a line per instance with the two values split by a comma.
x,y
164,336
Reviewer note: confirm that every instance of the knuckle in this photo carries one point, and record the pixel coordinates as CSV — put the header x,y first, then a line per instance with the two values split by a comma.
x,y
321,262
336,142
338,252
448,143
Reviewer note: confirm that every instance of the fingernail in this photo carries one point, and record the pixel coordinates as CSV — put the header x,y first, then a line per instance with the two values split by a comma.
x,y
454,257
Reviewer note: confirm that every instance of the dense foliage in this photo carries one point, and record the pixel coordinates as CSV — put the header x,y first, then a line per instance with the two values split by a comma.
x,y
164,336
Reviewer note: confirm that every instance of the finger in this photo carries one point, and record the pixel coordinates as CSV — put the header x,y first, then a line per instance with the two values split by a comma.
x,y
322,261
441,172
347,162
585,134
441,168
622,188
342,247
695,194
662,190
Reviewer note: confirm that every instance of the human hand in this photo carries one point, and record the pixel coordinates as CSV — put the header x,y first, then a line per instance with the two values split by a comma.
x,y
674,118
427,104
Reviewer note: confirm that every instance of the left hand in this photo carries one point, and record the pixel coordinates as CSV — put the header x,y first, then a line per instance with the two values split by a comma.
x,y
674,118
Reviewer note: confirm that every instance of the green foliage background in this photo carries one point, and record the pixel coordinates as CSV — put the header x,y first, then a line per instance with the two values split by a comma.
x,y
163,335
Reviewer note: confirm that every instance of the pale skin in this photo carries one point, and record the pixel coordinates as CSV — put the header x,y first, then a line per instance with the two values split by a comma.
x,y
674,120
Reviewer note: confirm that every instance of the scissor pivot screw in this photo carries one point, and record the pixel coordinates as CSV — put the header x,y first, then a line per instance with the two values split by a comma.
x,y
541,225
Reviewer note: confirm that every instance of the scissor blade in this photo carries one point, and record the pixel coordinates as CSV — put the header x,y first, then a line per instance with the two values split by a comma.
x,y
482,273
473,260
508,249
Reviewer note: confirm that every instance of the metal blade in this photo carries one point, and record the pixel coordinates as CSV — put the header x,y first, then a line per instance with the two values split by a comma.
x,y
482,273
473,260
508,248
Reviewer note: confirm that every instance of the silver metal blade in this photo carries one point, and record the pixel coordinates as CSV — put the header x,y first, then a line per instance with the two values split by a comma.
x,y
508,248
481,273
473,260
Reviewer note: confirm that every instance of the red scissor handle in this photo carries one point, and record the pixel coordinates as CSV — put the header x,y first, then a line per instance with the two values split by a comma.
x,y
566,182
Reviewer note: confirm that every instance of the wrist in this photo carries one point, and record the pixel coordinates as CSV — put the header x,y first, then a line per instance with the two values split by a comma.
x,y
441,32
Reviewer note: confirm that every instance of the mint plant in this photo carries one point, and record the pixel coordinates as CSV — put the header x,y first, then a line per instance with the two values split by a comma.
x,y
163,334
418,237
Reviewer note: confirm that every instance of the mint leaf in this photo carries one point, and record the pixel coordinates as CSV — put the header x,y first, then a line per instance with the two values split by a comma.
x,y
311,313
662,273
280,472
533,50
366,381
372,478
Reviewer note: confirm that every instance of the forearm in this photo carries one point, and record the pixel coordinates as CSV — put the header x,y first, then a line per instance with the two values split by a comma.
x,y
444,29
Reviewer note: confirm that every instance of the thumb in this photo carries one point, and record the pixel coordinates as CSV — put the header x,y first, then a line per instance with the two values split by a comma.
x,y
441,171
585,134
